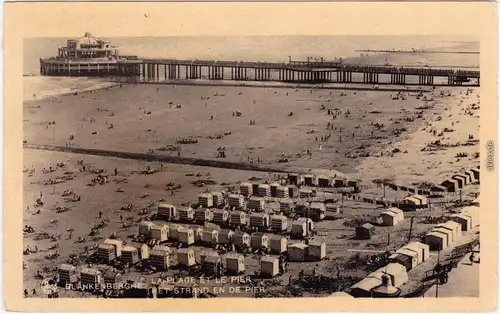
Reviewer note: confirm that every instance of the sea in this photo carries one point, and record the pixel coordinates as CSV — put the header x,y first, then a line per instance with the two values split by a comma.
x,y
261,48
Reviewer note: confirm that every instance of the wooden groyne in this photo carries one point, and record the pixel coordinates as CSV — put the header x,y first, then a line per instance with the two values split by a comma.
x,y
151,157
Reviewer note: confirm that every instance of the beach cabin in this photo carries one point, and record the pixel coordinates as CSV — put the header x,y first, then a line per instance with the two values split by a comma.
x,y
112,279
310,180
316,250
472,212
246,188
198,233
259,240
309,222
236,201
317,211
282,192
145,228
226,236
269,266
299,229
67,274
355,184
456,229
206,200
279,223
278,244
451,185
475,172
396,272
212,266
256,203
295,179
302,208
464,221
306,193
421,249
218,199
210,236
410,259
297,252
91,279
340,183
365,231
470,176
241,239
235,263
202,215
206,253
130,255
264,190
274,186
392,216
186,214
450,236
286,206
220,216
238,218
410,203
293,191
160,257
142,249
438,190
255,188
324,181
185,257
174,231
186,236
465,179
402,259
167,211
436,240
424,202
159,233
259,220
106,253
118,244
460,181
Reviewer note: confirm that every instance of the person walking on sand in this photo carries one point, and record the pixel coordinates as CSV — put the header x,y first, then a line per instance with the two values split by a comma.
x,y
100,214
116,171
471,258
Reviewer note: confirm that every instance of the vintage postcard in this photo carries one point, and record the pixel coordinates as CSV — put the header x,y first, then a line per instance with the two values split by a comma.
x,y
250,157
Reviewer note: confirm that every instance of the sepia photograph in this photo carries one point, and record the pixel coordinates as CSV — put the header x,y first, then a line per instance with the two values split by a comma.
x,y
252,166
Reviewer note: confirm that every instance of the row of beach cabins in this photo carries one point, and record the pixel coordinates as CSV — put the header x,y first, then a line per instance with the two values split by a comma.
x,y
386,281
459,181
241,220
213,236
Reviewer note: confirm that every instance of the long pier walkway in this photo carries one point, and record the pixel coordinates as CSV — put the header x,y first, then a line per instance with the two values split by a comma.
x,y
291,72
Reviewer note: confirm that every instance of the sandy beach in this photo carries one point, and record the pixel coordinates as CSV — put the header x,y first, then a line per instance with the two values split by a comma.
x,y
365,135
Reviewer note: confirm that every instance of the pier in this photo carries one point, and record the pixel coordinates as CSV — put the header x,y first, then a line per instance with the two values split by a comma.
x,y
91,56
158,70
